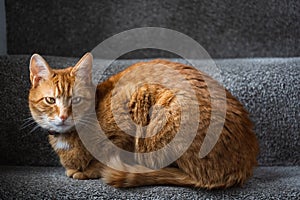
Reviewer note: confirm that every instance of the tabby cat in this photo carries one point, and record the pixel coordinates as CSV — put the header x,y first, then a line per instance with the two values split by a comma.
x,y
52,94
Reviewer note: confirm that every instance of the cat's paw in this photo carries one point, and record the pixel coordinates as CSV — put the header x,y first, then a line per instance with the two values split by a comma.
x,y
70,172
80,176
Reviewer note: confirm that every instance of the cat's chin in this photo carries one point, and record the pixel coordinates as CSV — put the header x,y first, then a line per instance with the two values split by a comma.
x,y
60,130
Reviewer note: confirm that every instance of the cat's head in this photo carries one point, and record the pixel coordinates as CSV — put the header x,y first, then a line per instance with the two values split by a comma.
x,y
54,92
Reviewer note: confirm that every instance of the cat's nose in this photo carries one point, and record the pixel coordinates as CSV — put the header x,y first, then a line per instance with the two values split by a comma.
x,y
63,117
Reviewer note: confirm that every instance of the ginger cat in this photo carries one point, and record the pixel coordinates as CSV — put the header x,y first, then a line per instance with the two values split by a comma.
x,y
53,92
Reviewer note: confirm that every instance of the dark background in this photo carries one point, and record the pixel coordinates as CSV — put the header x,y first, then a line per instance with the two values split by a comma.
x,y
226,29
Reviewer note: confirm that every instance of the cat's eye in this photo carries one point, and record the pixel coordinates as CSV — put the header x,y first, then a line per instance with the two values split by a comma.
x,y
76,100
50,100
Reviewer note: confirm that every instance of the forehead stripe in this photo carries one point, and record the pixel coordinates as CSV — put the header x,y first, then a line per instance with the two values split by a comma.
x,y
56,91
69,89
63,86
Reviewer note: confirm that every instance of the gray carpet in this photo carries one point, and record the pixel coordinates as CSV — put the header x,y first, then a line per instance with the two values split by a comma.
x,y
51,183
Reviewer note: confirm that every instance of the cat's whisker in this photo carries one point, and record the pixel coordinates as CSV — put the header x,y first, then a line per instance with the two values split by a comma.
x,y
87,114
85,126
28,119
39,124
90,120
89,117
27,124
85,123
34,129
89,125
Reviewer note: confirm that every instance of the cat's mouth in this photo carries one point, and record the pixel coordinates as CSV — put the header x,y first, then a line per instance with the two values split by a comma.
x,y
53,133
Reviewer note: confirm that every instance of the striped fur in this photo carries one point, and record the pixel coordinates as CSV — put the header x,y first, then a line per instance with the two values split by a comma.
x,y
230,162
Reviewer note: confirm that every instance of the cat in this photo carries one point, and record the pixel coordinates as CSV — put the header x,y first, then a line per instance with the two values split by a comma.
x,y
229,163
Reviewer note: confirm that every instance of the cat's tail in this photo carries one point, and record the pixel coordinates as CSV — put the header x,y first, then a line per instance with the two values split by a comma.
x,y
164,176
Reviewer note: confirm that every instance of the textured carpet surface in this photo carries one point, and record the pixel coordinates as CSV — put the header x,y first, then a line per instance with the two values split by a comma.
x,y
269,89
51,183
226,29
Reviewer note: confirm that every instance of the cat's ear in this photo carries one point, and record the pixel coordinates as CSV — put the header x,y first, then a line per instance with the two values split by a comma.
x,y
83,69
39,69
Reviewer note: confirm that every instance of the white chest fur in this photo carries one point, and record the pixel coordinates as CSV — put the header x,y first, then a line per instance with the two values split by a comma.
x,y
61,144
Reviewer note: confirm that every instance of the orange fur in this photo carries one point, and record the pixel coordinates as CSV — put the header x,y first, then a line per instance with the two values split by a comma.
x,y
230,162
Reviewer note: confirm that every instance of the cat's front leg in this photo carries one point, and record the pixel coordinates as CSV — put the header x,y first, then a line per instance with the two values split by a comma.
x,y
70,172
76,174
92,171
81,176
